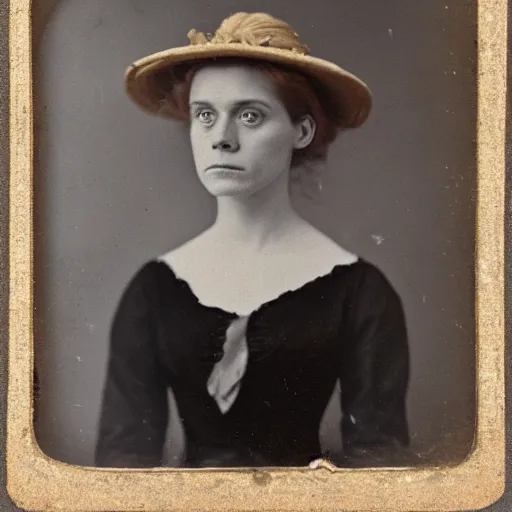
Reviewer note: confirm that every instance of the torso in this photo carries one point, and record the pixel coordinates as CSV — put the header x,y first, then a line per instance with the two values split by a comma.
x,y
298,345
241,283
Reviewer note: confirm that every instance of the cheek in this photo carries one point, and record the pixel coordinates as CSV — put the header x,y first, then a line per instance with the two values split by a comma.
x,y
273,143
199,143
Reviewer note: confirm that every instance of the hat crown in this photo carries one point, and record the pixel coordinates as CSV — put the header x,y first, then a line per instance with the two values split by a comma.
x,y
254,29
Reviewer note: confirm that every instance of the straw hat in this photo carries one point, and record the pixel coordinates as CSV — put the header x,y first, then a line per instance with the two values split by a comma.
x,y
252,36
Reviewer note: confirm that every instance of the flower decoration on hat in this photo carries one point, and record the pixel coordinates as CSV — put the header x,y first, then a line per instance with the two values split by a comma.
x,y
254,29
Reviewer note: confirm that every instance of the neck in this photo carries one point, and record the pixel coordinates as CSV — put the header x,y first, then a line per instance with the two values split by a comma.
x,y
255,221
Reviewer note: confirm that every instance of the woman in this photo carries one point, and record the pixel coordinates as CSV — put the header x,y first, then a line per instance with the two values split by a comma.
x,y
252,322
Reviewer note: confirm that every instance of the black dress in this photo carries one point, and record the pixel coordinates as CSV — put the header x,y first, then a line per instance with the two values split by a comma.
x,y
347,325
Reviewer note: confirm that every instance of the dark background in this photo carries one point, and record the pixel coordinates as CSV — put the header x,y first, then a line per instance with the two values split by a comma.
x,y
5,504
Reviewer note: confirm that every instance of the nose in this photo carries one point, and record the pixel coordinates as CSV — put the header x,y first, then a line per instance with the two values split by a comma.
x,y
226,138
225,145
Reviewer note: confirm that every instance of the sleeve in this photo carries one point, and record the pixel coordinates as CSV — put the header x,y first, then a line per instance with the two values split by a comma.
x,y
134,411
374,375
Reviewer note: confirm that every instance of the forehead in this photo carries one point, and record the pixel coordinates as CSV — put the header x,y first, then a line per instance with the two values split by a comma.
x,y
226,83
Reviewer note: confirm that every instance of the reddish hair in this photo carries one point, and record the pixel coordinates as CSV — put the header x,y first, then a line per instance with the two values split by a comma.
x,y
300,95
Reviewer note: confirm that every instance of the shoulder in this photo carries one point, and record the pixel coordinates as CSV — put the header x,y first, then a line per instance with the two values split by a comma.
x,y
143,276
317,246
370,288
144,284
187,254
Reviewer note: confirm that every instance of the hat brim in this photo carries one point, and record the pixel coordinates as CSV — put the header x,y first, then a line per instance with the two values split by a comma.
x,y
348,96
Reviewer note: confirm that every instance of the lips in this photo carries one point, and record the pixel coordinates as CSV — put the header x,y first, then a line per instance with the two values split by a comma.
x,y
224,166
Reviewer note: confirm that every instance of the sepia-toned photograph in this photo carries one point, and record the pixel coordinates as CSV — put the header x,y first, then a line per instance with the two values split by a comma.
x,y
256,255
254,233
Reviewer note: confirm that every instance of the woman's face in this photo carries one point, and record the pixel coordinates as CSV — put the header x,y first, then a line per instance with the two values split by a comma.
x,y
241,134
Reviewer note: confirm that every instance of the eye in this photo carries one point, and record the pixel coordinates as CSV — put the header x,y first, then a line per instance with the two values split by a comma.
x,y
205,116
251,117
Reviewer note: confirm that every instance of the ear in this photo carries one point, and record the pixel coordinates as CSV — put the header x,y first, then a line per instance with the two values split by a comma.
x,y
305,130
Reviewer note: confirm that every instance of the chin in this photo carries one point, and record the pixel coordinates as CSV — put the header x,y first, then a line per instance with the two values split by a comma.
x,y
221,187
229,191
230,188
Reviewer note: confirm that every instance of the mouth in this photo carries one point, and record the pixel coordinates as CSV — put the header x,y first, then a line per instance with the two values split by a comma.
x,y
224,166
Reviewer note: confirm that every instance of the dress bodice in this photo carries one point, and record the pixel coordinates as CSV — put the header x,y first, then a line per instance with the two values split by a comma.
x,y
347,325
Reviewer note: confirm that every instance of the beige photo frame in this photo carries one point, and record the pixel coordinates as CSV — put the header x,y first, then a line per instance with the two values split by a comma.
x,y
37,482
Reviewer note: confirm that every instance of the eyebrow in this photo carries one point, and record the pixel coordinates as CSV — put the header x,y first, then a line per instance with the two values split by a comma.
x,y
235,106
